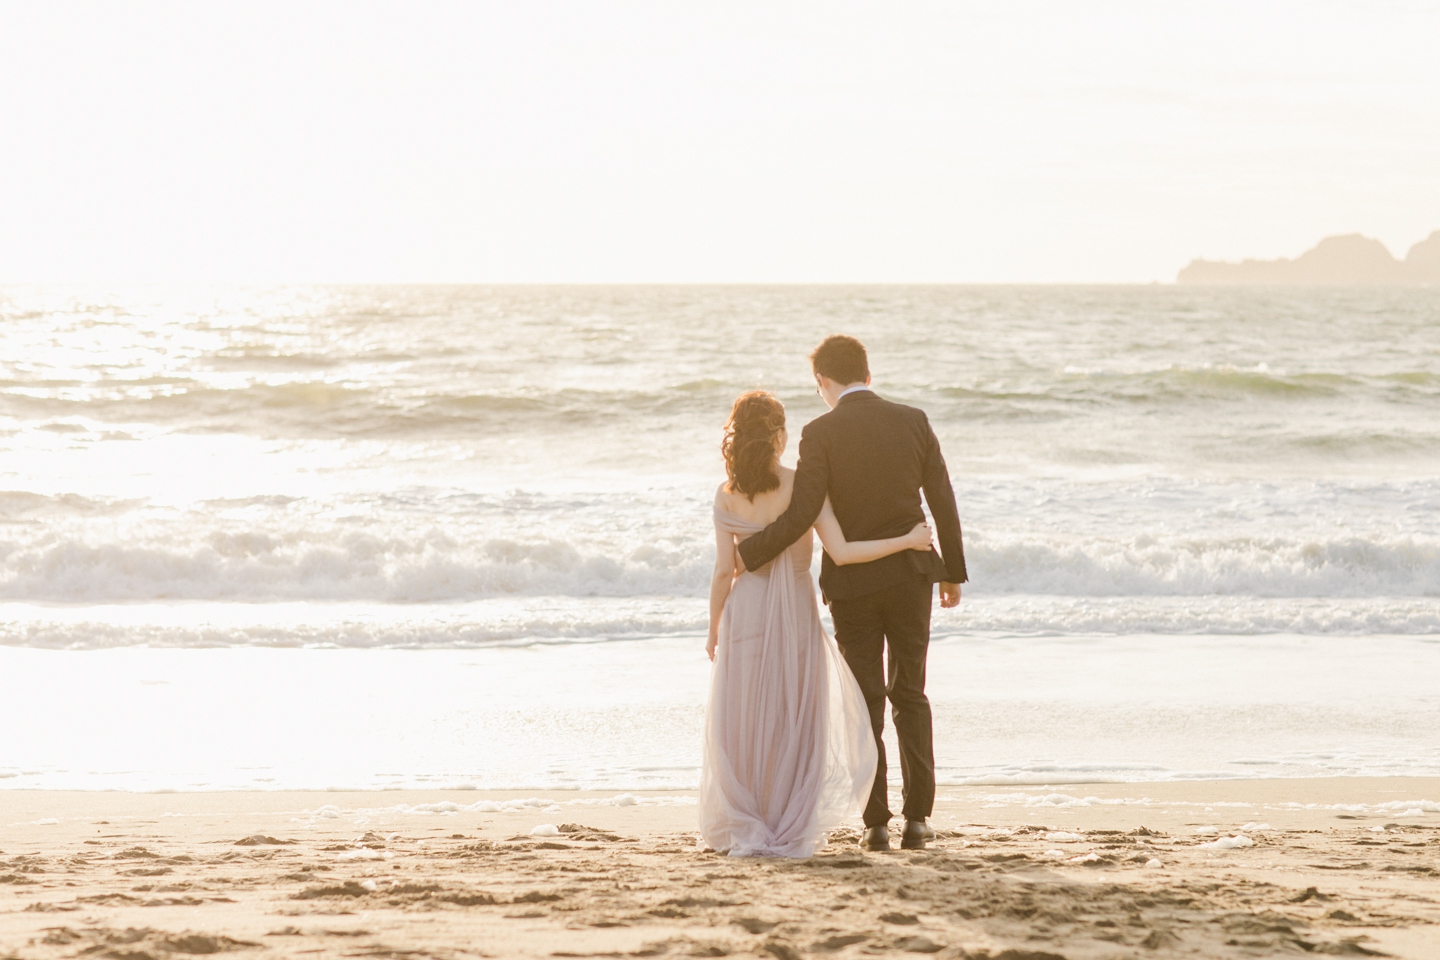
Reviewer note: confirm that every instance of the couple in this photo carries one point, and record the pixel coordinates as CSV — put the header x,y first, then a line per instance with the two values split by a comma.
x,y
792,730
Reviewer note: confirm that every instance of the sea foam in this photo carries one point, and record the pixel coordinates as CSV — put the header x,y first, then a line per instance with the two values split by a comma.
x,y
53,564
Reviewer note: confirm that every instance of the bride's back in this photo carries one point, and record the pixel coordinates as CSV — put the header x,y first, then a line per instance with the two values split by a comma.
x,y
767,506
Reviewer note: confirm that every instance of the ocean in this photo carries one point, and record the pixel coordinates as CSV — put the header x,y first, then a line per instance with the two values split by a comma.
x,y
370,537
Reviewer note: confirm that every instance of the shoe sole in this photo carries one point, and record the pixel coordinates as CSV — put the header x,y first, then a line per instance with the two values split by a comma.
x,y
913,844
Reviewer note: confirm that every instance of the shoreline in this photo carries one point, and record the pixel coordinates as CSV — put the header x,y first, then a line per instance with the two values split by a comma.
x,y
1360,781
1340,865
628,716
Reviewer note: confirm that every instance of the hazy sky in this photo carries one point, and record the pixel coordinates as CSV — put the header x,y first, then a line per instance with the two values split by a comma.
x,y
728,141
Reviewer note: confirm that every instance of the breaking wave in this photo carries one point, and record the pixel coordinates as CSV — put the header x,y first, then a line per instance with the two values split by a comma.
x,y
435,565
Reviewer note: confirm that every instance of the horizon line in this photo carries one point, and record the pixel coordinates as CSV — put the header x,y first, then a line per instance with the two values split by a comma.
x,y
149,284
589,283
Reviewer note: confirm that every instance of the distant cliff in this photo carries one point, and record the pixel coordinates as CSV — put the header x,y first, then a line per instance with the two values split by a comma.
x,y
1334,261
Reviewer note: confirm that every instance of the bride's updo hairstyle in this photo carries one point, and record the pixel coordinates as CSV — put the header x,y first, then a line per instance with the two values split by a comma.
x,y
749,445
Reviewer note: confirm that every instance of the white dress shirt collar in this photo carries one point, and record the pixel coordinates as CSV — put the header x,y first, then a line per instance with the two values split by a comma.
x,y
849,390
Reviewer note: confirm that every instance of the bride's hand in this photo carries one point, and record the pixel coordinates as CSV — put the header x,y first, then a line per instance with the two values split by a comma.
x,y
710,646
919,538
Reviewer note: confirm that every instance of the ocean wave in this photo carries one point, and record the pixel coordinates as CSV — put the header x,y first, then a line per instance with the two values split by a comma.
x,y
366,403
25,505
263,566
524,622
1034,615
308,408
1147,565
562,620
429,565
1189,384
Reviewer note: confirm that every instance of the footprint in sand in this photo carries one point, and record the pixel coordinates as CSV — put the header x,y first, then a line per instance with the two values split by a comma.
x,y
838,942
919,945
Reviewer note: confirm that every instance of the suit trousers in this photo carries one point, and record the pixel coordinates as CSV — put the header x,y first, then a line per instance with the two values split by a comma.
x,y
893,623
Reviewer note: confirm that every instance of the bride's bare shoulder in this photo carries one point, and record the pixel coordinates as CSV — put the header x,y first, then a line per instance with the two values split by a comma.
x,y
727,499
787,482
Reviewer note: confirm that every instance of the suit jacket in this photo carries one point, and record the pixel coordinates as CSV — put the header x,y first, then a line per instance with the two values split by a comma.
x,y
872,458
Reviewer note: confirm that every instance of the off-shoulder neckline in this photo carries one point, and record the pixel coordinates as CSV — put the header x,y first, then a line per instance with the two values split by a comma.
x,y
737,518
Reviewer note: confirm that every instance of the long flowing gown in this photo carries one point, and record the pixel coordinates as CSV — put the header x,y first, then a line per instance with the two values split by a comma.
x,y
789,753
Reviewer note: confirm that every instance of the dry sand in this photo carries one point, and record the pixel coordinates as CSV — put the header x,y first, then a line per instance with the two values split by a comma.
x,y
1123,873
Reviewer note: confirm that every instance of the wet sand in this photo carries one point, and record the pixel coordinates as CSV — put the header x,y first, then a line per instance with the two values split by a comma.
x,y
1329,867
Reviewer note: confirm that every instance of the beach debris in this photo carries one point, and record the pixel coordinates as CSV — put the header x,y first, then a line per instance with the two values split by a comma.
x,y
1061,836
1153,864
578,831
1228,843
365,853
1206,831
545,830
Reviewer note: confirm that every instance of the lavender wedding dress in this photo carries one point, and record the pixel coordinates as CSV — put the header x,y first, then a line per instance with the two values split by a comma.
x,y
789,753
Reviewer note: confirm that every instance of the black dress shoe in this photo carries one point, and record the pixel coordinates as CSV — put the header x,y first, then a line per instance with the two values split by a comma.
x,y
917,834
875,838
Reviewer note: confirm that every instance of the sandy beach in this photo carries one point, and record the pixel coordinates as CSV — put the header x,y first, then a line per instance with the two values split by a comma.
x,y
1212,869
386,390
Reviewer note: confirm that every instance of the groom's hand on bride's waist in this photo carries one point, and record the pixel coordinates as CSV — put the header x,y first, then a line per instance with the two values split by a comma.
x,y
949,594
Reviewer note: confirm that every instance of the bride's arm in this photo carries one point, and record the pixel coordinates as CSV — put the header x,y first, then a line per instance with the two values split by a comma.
x,y
721,579
863,551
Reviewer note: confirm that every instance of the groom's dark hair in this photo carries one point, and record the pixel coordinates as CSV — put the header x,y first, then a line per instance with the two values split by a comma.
x,y
842,359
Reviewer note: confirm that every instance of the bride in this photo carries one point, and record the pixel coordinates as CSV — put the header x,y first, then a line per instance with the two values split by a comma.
x,y
789,750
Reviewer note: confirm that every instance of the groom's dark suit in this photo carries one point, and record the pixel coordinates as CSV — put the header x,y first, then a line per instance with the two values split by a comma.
x,y
872,458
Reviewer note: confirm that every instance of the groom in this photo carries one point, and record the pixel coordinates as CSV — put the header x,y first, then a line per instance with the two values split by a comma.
x,y
872,458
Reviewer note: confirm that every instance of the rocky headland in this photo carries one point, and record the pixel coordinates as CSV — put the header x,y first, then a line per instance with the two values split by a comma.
x,y
1349,260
